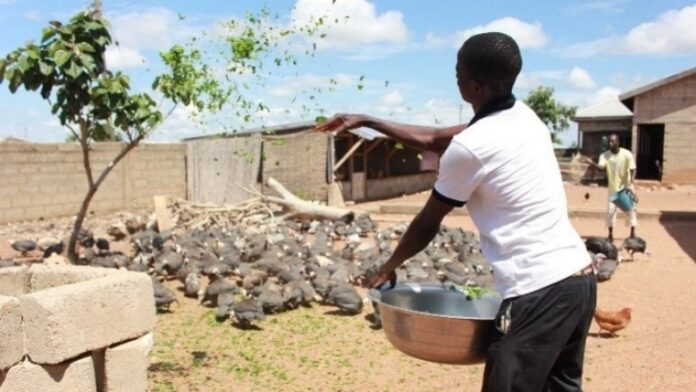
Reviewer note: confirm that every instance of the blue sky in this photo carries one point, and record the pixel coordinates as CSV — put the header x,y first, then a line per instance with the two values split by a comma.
x,y
587,51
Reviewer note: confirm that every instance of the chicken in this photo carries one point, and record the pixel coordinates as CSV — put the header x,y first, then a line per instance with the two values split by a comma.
x,y
612,321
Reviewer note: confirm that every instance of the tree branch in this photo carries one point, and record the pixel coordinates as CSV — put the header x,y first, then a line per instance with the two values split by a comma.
x,y
72,130
112,164
84,143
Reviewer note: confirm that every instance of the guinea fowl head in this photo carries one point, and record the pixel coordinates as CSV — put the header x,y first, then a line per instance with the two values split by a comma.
x,y
626,312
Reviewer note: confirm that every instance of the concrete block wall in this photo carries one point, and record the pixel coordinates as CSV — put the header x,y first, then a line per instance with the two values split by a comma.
x,y
48,179
298,161
679,166
383,188
70,328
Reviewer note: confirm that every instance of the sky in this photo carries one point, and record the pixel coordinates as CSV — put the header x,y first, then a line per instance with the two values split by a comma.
x,y
391,59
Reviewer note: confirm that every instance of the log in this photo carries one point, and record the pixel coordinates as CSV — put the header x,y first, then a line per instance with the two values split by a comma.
x,y
301,209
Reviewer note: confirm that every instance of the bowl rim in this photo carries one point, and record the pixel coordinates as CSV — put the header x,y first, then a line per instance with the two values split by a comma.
x,y
421,313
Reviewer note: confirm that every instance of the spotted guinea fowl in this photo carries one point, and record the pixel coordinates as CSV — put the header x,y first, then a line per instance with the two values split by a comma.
x,y
23,246
346,298
604,266
603,246
247,311
634,245
163,296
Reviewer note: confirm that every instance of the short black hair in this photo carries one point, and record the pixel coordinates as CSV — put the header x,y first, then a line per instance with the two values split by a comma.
x,y
493,60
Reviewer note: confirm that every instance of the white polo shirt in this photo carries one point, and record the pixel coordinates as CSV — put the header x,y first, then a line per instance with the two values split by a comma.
x,y
504,168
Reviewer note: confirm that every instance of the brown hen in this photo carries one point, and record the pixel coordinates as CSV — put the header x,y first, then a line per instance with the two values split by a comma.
x,y
611,321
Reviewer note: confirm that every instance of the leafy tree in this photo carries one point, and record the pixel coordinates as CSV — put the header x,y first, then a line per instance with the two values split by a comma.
x,y
553,113
67,68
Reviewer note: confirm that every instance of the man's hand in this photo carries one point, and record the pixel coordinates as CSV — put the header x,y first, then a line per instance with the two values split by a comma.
x,y
588,160
340,123
381,278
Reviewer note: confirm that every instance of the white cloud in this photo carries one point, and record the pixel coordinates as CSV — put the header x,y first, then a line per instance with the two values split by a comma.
x,y
672,32
33,15
123,57
358,23
135,32
527,35
308,82
581,79
156,28
603,94
530,80
393,98
607,6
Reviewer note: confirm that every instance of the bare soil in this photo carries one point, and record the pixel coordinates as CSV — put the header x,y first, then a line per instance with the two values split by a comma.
x,y
315,349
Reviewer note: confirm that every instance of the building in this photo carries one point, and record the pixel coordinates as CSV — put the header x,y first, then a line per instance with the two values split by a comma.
x,y
657,121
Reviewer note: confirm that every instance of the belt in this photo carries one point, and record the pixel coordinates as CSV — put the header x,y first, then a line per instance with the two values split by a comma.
x,y
589,270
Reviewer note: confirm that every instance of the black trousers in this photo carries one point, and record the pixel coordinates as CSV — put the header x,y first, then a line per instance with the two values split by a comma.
x,y
544,346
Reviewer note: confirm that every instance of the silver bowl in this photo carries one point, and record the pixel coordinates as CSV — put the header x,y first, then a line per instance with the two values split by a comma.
x,y
437,324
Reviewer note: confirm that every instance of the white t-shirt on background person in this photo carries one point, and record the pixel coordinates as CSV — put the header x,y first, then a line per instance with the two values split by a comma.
x,y
504,168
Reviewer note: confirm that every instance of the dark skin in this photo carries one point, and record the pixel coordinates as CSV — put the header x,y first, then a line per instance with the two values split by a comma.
x,y
426,224
614,147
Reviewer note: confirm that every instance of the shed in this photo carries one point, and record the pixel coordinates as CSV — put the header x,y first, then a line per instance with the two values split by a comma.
x,y
366,164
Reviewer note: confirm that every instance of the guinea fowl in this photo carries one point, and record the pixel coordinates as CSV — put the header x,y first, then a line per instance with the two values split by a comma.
x,y
346,298
254,279
192,285
225,305
270,297
603,246
163,296
85,238
247,311
23,246
169,262
605,267
53,246
102,244
634,245
612,322
218,284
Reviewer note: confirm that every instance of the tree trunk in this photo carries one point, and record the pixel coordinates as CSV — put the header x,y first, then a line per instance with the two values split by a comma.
x,y
93,187
72,244
301,209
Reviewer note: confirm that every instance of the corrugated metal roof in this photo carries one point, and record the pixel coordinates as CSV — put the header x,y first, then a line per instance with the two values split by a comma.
x,y
367,133
296,126
659,83
611,109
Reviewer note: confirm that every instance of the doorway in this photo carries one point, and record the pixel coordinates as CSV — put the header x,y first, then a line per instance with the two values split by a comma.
x,y
651,139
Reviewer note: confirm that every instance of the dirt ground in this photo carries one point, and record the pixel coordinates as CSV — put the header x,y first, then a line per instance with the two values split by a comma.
x,y
314,349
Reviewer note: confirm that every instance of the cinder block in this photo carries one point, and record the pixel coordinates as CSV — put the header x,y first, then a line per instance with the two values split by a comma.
x,y
64,322
11,337
14,281
49,276
125,366
65,377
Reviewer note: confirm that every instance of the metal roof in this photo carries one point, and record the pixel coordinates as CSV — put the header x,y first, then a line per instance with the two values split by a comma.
x,y
367,133
659,83
612,109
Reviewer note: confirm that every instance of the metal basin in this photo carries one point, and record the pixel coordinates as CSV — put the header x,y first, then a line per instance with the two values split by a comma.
x,y
437,324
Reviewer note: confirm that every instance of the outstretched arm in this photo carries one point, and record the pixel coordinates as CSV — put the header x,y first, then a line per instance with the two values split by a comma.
x,y
415,136
420,232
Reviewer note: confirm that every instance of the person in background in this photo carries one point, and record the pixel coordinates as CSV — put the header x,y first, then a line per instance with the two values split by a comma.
x,y
621,171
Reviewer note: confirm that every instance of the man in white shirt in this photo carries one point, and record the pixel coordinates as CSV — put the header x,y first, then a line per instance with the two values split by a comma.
x,y
621,172
502,166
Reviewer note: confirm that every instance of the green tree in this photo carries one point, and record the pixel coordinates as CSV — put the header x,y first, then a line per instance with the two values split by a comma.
x,y
67,68
553,113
